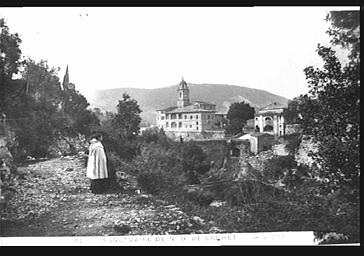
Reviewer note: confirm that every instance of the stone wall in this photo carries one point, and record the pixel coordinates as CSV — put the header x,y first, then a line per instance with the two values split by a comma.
x,y
196,135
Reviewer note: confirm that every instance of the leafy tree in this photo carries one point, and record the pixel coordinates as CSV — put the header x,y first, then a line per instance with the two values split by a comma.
x,y
127,120
85,122
10,53
122,128
78,116
193,158
234,126
36,131
331,114
157,136
345,31
291,113
42,81
238,114
73,102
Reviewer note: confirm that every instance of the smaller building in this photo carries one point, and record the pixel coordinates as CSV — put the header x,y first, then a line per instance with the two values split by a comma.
x,y
270,119
246,136
260,142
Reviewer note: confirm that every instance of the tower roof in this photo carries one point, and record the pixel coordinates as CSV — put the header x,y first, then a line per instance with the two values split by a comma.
x,y
182,85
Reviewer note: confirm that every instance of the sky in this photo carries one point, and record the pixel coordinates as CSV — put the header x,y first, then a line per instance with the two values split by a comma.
x,y
151,47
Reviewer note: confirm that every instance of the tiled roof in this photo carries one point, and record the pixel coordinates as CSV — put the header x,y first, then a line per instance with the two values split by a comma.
x,y
182,85
274,105
188,109
269,113
204,102
167,109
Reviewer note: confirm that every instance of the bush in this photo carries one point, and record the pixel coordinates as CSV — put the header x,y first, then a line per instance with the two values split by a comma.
x,y
193,160
163,169
152,182
199,196
293,142
276,167
155,135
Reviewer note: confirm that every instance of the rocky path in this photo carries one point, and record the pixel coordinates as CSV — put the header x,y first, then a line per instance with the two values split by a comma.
x,y
52,198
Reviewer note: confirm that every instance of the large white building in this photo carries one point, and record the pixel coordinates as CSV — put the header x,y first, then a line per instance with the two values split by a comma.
x,y
188,118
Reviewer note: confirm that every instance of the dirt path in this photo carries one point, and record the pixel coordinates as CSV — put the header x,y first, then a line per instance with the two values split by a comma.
x,y
52,198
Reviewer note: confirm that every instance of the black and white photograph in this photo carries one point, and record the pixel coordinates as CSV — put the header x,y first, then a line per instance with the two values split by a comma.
x,y
180,126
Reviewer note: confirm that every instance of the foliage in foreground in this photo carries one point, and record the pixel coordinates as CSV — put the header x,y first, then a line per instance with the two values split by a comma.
x,y
251,206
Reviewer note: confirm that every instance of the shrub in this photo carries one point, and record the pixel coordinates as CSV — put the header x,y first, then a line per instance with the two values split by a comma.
x,y
199,196
293,142
276,167
193,160
155,135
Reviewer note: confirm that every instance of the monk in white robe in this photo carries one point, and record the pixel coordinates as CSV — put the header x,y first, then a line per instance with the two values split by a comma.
x,y
97,165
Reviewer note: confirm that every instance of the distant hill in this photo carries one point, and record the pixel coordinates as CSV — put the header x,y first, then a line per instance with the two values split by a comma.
x,y
150,100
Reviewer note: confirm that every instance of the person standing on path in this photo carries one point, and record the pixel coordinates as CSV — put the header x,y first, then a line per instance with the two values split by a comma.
x,y
97,165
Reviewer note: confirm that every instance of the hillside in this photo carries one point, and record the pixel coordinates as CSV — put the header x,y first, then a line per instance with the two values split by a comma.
x,y
152,99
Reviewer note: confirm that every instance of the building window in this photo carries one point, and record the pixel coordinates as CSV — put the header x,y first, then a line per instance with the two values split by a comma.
x,y
179,116
268,128
208,116
167,125
196,123
268,121
196,116
173,125
185,116
180,125
191,117
196,127
190,125
162,117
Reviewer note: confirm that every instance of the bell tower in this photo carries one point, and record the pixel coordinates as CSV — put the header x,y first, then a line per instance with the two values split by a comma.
x,y
183,94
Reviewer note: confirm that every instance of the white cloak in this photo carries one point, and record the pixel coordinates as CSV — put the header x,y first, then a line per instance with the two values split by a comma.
x,y
96,163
